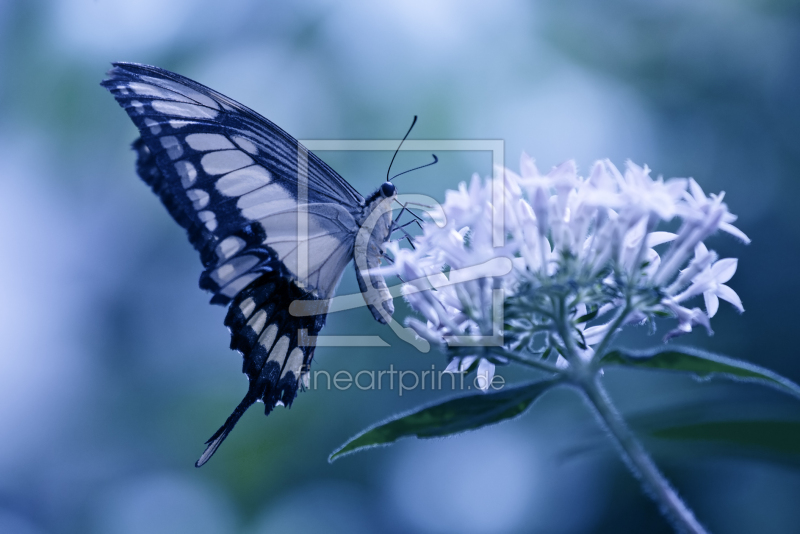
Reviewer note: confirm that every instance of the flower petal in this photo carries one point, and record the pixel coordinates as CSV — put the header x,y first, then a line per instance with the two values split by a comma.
x,y
466,361
485,374
724,269
712,303
453,366
659,238
696,190
527,166
735,232
595,334
726,293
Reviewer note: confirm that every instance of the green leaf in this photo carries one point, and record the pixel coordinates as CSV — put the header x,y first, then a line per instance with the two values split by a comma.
x,y
582,343
456,415
700,363
778,436
588,317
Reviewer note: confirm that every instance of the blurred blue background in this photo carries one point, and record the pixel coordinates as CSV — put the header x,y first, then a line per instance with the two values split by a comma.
x,y
114,369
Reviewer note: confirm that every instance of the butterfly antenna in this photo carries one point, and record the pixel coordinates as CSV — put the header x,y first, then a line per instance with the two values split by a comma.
x,y
398,147
434,162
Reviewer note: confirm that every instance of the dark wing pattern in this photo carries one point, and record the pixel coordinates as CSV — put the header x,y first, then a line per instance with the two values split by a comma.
x,y
272,222
277,347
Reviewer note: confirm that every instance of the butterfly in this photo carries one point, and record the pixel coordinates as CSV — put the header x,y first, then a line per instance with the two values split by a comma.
x,y
274,225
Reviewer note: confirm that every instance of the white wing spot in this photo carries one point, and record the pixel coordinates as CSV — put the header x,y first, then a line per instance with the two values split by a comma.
x,y
224,272
278,352
205,142
138,106
209,219
229,246
247,306
246,144
179,124
198,197
268,337
293,363
225,161
232,289
181,109
155,128
173,146
187,172
258,321
237,183
234,268
122,89
265,201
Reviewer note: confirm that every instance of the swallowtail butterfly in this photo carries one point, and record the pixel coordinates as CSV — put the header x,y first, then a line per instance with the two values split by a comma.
x,y
272,222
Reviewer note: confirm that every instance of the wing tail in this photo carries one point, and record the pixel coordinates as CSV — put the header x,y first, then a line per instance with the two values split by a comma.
x,y
219,436
277,347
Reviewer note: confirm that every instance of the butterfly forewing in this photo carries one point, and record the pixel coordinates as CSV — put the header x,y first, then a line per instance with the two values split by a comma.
x,y
267,233
224,171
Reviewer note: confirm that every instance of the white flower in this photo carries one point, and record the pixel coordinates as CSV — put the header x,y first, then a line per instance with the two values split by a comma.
x,y
711,283
645,195
485,370
721,271
686,319
594,237
698,201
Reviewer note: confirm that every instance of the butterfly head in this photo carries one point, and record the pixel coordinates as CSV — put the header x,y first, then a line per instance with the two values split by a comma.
x,y
388,190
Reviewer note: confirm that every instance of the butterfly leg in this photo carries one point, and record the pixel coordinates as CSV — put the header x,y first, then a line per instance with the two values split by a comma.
x,y
406,235
404,209
409,223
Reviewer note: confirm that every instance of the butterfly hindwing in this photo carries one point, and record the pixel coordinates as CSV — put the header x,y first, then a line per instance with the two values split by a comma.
x,y
280,346
268,233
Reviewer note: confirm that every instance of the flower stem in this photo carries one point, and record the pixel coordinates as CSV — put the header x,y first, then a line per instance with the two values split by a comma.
x,y
536,364
616,323
639,461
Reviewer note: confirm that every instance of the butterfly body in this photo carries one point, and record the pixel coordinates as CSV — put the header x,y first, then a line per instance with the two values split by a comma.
x,y
274,225
375,227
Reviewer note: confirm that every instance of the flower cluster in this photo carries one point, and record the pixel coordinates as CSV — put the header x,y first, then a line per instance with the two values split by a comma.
x,y
553,265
